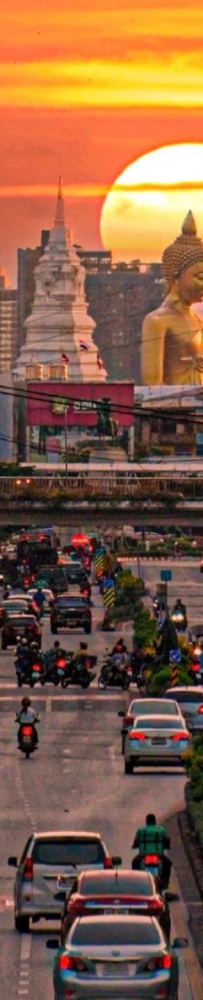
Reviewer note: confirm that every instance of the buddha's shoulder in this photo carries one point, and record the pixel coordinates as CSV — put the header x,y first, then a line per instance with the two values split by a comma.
x,y
158,317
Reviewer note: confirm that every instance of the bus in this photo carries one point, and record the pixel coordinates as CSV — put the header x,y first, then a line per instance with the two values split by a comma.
x,y
37,547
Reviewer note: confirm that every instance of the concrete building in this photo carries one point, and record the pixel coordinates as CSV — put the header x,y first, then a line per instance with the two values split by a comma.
x,y
27,260
8,326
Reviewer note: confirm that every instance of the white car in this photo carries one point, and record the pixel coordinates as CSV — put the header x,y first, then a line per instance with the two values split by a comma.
x,y
156,737
48,595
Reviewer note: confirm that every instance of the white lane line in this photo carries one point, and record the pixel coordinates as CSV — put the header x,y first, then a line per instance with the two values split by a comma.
x,y
25,949
112,756
96,696
66,751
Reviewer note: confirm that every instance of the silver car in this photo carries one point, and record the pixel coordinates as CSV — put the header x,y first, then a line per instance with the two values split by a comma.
x,y
116,957
155,737
190,700
146,706
48,865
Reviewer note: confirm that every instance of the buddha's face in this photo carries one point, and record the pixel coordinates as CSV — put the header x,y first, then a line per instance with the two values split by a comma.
x,y
190,283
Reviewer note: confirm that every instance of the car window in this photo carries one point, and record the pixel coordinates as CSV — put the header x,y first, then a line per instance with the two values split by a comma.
x,y
91,885
189,696
152,708
20,620
155,723
125,932
71,602
63,852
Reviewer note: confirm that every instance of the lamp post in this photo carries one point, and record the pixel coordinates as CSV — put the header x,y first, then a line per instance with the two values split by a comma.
x,y
66,445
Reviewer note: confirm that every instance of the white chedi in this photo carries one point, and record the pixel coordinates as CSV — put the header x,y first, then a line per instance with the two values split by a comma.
x,y
59,323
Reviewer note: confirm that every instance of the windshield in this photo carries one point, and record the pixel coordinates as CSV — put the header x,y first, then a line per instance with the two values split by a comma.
x,y
108,884
162,723
152,708
71,602
122,933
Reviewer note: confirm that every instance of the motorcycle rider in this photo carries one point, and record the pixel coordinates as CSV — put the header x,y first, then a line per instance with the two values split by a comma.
x,y
80,656
39,599
152,838
52,655
118,657
22,656
180,608
27,715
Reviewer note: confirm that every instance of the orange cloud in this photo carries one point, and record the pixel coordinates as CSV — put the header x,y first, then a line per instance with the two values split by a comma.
x,y
175,81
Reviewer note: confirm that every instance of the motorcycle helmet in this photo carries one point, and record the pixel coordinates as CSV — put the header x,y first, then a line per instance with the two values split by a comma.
x,y
56,644
25,702
83,645
23,642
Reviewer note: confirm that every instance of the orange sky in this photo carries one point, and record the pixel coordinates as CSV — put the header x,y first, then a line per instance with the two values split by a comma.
x,y
86,87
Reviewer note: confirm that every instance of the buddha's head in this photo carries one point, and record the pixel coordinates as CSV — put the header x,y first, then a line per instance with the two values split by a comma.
x,y
182,264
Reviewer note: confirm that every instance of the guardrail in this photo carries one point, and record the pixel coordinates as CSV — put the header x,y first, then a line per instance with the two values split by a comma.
x,y
86,484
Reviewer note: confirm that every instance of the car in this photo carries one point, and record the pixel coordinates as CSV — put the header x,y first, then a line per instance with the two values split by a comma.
x,y
75,575
53,577
19,603
48,595
107,892
145,706
190,700
156,737
48,865
20,625
116,956
71,611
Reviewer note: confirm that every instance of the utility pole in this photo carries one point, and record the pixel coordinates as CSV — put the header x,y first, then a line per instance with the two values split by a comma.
x,y
66,445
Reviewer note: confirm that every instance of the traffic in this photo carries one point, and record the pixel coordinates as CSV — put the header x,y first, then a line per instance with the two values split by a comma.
x,y
113,930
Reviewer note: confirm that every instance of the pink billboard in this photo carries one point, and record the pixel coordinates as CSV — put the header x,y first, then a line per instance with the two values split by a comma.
x,y
48,402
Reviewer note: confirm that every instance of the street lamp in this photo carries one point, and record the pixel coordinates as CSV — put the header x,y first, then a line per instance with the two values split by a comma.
x,y
66,444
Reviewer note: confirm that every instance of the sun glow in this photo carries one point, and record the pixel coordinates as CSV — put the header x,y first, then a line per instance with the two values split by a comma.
x,y
147,203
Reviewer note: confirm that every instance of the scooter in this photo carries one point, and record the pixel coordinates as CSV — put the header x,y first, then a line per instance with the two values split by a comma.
x,y
116,677
80,673
26,737
152,863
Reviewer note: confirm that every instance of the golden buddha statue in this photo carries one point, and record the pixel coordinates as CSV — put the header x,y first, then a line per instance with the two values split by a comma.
x,y
172,335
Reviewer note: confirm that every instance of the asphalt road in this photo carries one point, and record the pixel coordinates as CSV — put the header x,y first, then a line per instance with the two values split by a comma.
x,y
75,781
186,582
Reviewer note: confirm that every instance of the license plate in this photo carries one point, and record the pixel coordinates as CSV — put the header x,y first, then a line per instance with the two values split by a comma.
x,y
115,969
60,672
63,882
116,909
26,739
157,741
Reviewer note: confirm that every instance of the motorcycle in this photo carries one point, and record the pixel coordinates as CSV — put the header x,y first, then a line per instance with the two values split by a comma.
x,y
113,676
179,619
152,863
54,670
79,673
26,737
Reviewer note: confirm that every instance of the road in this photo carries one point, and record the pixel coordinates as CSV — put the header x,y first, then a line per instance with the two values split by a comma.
x,y
186,582
76,780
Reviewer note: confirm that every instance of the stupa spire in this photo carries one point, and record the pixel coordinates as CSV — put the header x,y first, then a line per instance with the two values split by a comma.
x,y
59,214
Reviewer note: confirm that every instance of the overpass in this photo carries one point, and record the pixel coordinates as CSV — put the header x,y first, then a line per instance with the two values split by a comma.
x,y
91,515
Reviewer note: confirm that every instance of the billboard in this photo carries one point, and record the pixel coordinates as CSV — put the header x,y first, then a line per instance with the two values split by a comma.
x,y
50,404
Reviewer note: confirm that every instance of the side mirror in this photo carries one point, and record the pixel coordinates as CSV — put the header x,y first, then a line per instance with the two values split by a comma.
x,y
53,944
171,897
12,861
116,861
180,942
121,715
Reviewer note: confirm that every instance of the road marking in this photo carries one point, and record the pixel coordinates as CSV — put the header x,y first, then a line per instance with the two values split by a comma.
x,y
112,756
25,949
97,696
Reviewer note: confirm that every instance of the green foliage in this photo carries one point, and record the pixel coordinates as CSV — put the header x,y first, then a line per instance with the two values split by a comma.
x,y
145,628
128,596
194,768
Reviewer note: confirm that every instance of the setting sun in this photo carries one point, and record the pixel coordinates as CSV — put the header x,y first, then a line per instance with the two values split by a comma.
x,y
147,203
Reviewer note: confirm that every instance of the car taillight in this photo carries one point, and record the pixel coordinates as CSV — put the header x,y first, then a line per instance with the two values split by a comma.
x,y
136,736
70,962
128,721
129,670
28,870
158,962
75,906
155,906
195,667
108,862
151,859
200,710
179,736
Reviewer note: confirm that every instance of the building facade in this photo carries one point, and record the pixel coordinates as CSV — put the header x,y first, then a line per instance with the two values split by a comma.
x,y
8,326
27,260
